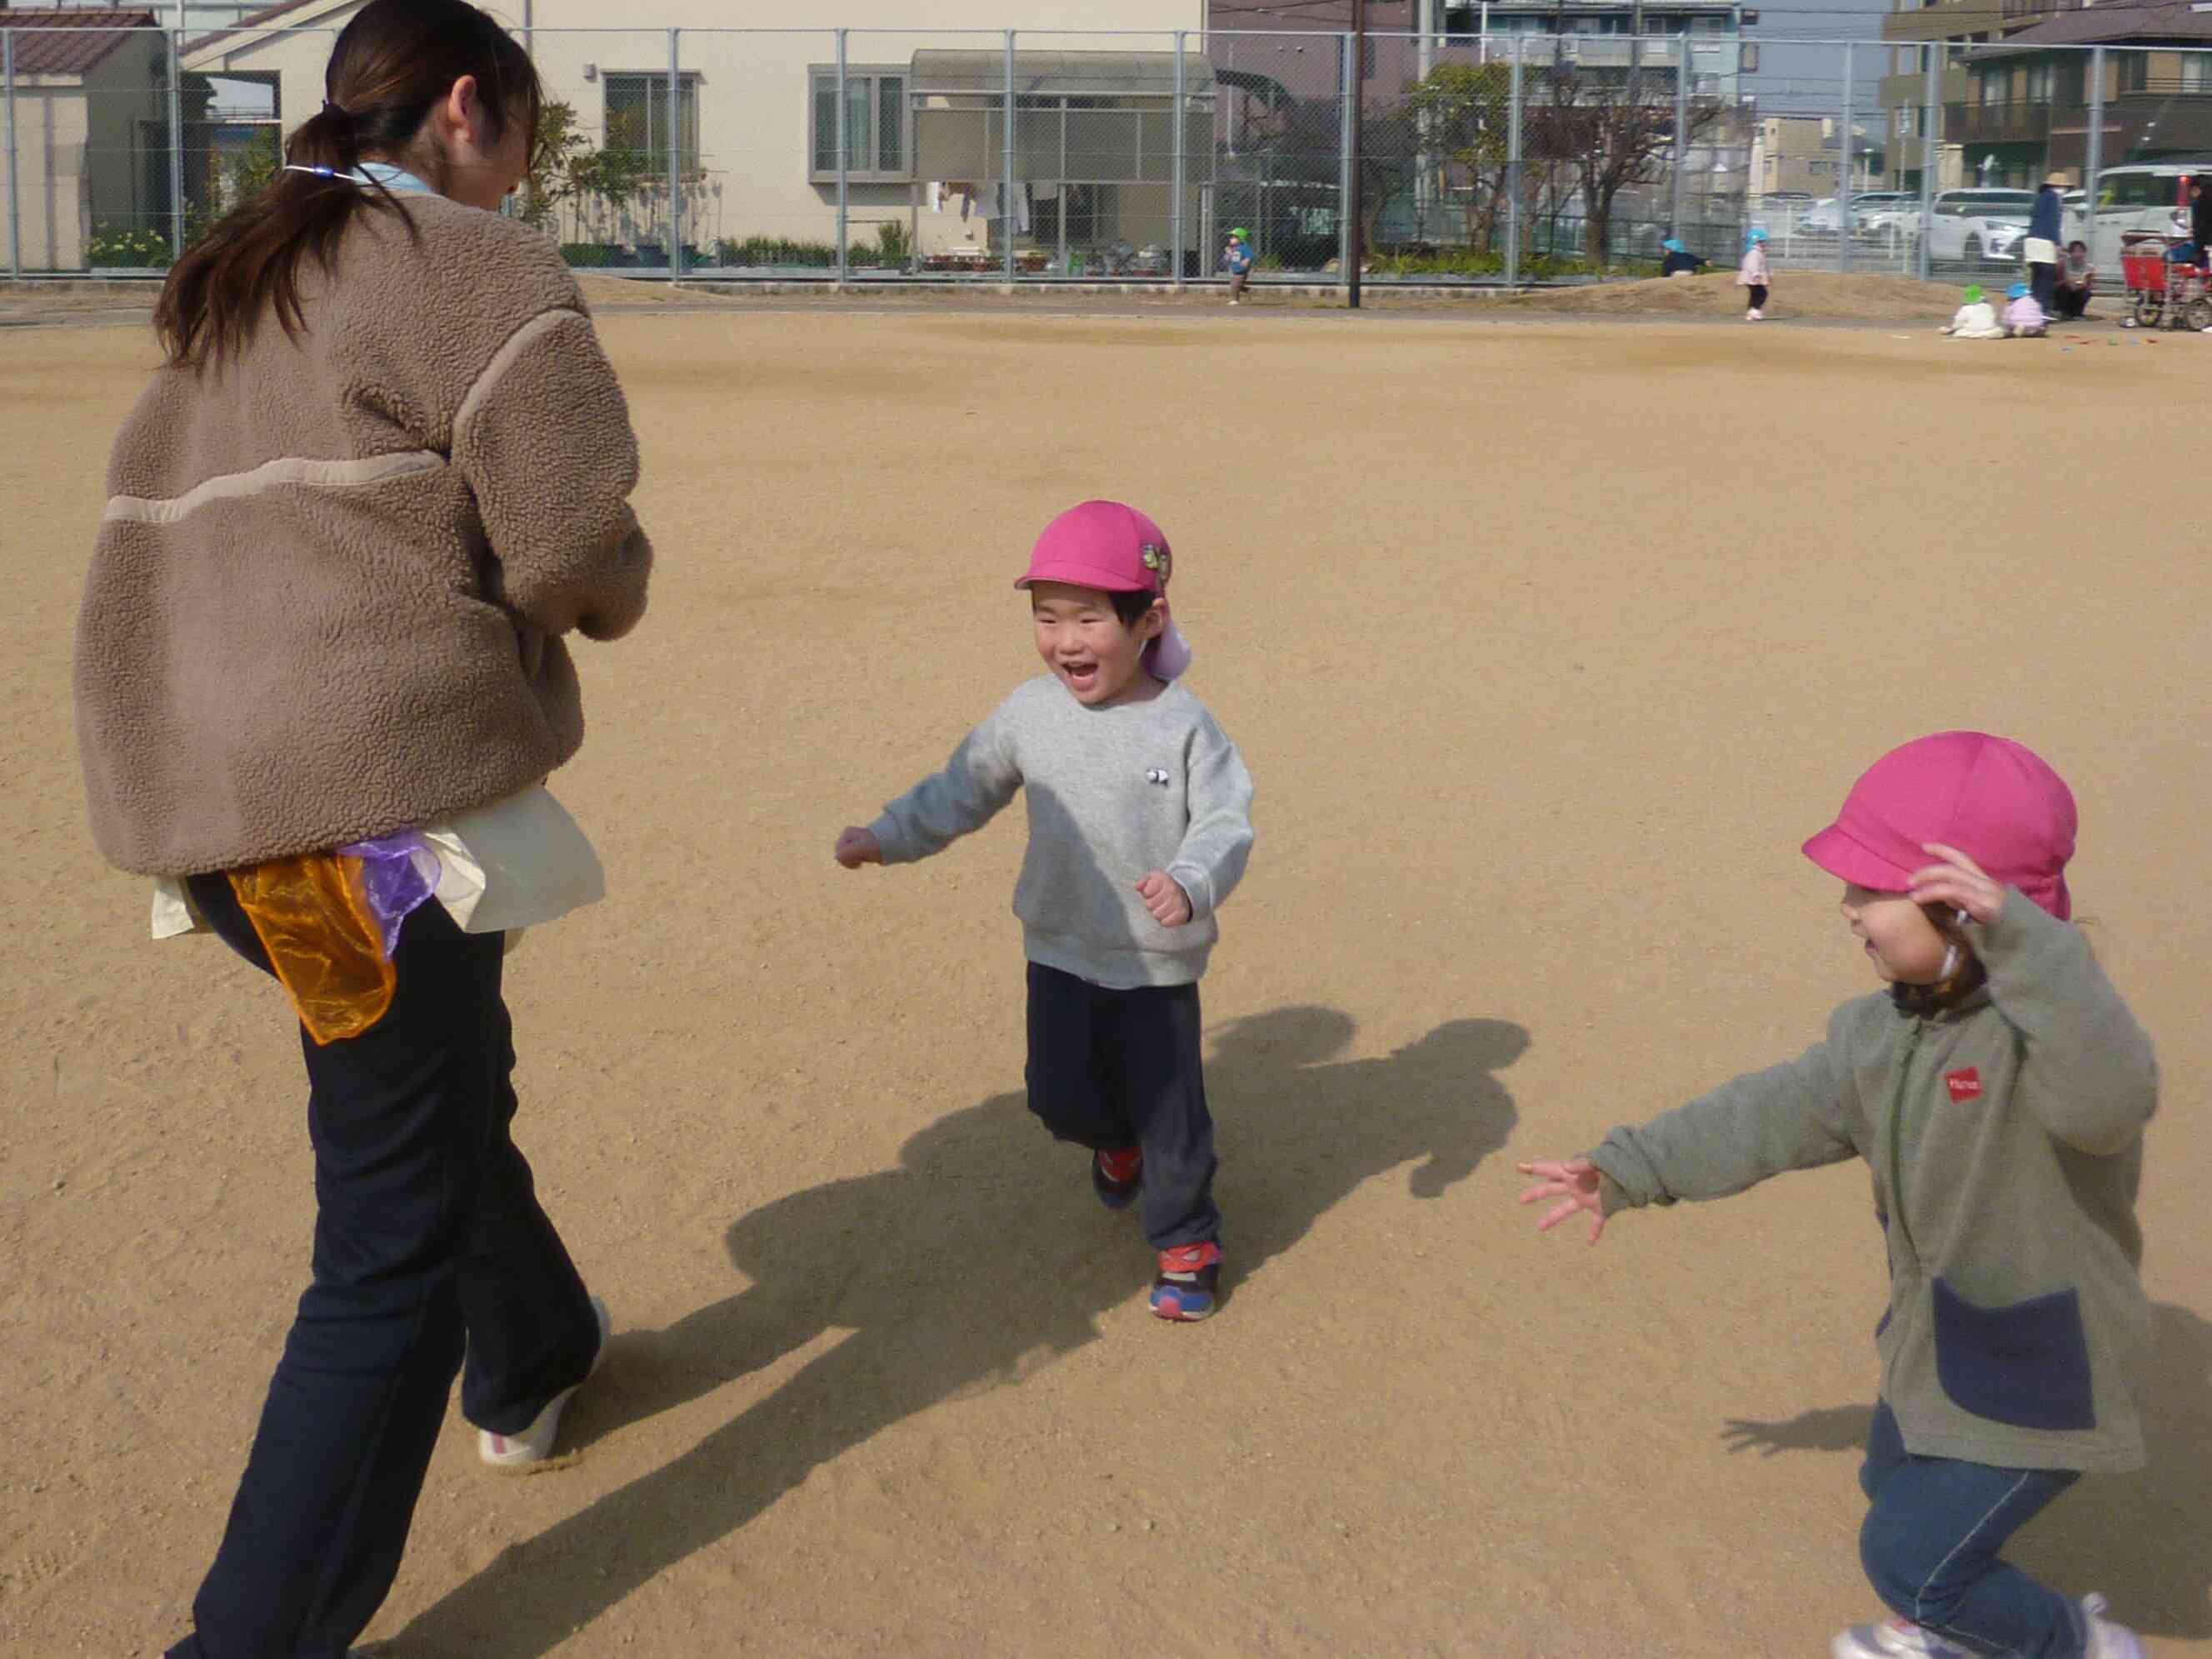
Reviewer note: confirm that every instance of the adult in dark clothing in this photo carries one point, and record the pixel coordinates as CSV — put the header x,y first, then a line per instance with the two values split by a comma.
x,y
2044,228
1675,260
2077,278
2200,214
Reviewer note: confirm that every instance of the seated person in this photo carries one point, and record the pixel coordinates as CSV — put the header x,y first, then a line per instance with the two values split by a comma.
x,y
2023,317
1675,260
2077,277
1977,319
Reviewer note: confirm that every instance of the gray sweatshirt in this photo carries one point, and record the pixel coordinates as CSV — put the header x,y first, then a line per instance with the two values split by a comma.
x,y
1114,794
2005,1135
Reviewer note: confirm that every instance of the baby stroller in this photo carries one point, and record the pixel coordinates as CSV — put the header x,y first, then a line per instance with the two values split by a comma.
x,y
2167,282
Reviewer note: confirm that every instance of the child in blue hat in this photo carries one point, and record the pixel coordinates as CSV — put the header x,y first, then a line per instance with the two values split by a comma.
x,y
2023,317
1753,275
1675,260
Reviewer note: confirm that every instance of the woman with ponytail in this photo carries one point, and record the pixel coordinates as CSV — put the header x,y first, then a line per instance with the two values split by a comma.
x,y
321,680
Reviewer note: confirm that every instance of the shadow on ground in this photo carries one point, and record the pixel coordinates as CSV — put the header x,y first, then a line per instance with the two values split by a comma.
x,y
983,1248
2145,1539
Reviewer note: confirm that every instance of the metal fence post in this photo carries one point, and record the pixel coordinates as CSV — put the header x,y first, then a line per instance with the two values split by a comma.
x,y
1513,169
1681,124
176,145
1930,120
1844,190
1344,163
1175,218
1006,202
2093,162
844,162
675,159
14,202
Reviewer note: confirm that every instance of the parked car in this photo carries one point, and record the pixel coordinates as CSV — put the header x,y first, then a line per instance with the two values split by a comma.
x,y
1978,225
1824,218
1874,212
2150,198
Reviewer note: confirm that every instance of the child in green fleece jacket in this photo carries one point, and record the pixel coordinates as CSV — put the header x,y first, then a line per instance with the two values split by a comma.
x,y
1998,1090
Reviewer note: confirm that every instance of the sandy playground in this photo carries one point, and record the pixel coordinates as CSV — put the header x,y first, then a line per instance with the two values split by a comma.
x,y
1546,642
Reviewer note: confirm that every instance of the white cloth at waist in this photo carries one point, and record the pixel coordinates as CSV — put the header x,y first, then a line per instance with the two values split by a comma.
x,y
513,864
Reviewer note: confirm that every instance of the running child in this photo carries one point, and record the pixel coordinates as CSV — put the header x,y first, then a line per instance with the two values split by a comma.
x,y
1239,257
1998,1089
1139,813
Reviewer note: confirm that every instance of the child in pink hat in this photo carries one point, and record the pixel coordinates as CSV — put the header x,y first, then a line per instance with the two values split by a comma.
x,y
1998,1088
1139,813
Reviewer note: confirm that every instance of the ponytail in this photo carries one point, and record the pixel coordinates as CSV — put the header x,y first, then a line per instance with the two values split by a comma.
x,y
394,63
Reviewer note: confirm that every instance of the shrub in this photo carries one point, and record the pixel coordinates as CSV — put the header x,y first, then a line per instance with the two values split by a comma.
x,y
131,247
776,251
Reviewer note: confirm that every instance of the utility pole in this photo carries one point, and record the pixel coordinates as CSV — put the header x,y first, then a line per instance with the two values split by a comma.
x,y
1353,191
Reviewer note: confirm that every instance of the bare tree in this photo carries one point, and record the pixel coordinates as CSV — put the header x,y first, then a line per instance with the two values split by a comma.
x,y
1610,134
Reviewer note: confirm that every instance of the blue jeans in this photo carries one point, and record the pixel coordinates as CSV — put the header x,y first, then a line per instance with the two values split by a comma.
x,y
1931,1543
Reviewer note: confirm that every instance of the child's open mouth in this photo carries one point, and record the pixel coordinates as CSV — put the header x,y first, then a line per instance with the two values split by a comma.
x,y
1082,676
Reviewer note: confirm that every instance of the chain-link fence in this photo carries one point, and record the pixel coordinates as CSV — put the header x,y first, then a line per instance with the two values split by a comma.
x,y
1542,148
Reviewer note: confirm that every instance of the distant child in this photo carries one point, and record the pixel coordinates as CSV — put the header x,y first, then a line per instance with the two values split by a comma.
x,y
1977,319
2023,317
1675,260
1239,257
1753,274
1998,1090
1139,813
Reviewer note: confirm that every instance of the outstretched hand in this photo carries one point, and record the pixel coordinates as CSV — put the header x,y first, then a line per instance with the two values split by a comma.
x,y
857,847
1163,897
1957,882
1574,1182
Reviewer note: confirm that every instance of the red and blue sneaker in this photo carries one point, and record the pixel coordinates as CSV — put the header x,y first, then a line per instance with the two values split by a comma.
x,y
1117,1175
1185,1288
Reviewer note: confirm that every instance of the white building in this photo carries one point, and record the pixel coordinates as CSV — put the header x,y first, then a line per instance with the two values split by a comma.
x,y
752,145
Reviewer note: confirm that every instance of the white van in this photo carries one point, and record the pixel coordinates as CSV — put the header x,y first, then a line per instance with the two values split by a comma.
x,y
2150,196
1978,225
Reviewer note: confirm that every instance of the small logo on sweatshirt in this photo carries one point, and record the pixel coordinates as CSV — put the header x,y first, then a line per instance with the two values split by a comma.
x,y
1964,1085
1156,775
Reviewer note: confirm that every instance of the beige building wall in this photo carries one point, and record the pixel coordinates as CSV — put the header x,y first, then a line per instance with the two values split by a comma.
x,y
753,93
49,160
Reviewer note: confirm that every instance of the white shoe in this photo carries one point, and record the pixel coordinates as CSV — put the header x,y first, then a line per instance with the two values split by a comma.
x,y
535,1444
1893,1638
2106,1640
1754,316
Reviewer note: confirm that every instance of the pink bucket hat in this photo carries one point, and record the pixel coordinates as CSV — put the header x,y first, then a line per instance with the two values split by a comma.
x,y
1116,550
1992,799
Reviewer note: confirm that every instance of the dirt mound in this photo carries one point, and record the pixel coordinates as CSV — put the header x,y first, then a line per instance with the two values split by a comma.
x,y
1821,296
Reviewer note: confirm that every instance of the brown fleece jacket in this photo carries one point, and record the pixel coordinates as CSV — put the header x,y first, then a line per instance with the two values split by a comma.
x,y
329,589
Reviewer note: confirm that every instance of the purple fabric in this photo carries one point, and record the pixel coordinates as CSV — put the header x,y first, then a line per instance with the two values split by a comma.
x,y
398,874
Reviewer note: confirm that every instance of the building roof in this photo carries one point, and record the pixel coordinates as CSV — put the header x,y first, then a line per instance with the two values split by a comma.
x,y
69,40
248,23
2114,22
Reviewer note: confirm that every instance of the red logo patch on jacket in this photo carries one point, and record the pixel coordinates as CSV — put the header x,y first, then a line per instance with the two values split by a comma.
x,y
1964,1084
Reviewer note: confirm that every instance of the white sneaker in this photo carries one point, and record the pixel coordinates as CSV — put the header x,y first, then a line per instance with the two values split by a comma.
x,y
535,1444
1891,1638
1754,316
2106,1640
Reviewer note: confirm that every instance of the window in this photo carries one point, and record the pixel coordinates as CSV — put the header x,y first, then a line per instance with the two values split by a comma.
x,y
637,119
2195,72
2135,71
875,122
2039,84
1996,85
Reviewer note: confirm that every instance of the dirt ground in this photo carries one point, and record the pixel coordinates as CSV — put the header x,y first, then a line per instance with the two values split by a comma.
x,y
1546,643
1804,296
